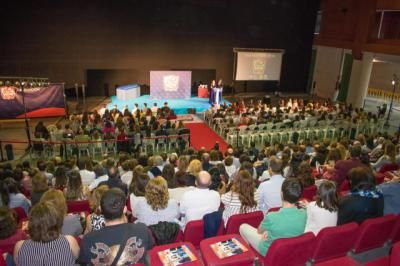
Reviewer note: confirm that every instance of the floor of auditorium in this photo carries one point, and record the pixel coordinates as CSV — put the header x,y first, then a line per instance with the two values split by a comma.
x,y
15,130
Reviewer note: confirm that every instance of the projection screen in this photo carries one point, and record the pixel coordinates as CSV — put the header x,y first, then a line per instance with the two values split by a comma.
x,y
258,65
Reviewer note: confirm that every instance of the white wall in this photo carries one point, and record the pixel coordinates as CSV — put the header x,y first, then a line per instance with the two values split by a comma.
x,y
327,69
359,80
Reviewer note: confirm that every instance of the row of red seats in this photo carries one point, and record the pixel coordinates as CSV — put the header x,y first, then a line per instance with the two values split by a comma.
x,y
331,245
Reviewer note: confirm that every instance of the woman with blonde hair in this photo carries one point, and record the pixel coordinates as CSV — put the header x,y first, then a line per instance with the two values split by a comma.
x,y
75,190
95,221
193,170
157,206
183,163
243,197
71,223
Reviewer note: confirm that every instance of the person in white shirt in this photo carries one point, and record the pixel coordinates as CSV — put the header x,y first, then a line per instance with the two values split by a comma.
x,y
229,167
127,174
180,189
137,189
100,177
156,170
154,109
236,161
86,171
157,206
200,201
324,211
102,110
270,190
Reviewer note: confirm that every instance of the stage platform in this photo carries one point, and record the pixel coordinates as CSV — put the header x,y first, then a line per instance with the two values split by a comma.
x,y
180,106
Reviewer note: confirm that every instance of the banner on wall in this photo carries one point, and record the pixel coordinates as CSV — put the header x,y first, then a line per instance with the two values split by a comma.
x,y
39,101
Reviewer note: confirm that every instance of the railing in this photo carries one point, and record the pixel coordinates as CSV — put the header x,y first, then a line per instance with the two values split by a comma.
x,y
385,95
48,146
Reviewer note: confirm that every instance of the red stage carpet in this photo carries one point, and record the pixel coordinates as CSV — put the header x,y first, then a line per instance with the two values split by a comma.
x,y
203,136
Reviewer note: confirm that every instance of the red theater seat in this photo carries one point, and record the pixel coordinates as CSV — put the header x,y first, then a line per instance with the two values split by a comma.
x,y
253,218
78,206
155,259
21,215
395,237
392,260
310,192
342,261
334,242
293,251
210,258
373,233
194,232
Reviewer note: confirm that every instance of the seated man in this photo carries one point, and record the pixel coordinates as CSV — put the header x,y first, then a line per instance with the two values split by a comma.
x,y
200,201
119,242
289,221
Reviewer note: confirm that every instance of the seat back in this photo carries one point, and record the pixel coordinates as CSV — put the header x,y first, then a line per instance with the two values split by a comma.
x,y
235,221
78,206
395,237
333,242
374,232
194,232
21,215
395,256
310,192
388,167
291,251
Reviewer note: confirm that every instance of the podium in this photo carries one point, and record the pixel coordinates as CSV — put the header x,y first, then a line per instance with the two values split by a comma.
x,y
128,92
202,91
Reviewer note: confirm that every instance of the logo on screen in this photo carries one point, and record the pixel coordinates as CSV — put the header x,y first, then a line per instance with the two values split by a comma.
x,y
258,66
8,93
171,82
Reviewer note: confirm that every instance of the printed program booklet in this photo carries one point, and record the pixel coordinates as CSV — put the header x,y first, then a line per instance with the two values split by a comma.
x,y
228,248
176,256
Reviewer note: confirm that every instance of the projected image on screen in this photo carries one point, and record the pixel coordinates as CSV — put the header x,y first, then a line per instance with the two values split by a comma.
x,y
258,65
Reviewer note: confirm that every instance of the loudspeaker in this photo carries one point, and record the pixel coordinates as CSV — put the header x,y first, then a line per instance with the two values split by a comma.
x,y
191,111
266,99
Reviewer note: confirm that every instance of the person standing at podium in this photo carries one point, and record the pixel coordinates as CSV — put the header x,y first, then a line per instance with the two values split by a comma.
x,y
212,91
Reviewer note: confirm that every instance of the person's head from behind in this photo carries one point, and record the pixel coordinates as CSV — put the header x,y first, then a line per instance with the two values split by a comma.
x,y
361,178
39,183
327,196
95,198
156,193
138,184
113,173
355,151
8,222
55,197
168,173
41,165
194,167
74,185
45,222
244,186
275,165
203,180
292,190
112,204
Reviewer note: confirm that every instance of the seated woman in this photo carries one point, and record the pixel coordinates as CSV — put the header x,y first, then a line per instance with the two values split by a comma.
x,y
9,233
193,171
47,246
137,188
323,212
289,221
75,190
71,223
364,200
389,157
157,206
39,187
242,198
177,192
11,197
95,221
